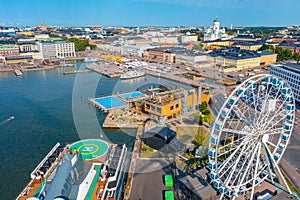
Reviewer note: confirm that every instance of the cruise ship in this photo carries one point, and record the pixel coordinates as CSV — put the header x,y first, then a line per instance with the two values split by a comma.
x,y
88,169
132,74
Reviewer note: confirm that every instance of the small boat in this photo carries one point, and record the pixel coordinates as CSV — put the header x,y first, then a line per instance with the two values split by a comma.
x,y
11,118
69,65
132,74
88,60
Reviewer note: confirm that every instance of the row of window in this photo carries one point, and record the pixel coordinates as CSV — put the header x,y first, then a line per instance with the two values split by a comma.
x,y
292,78
288,73
66,54
172,107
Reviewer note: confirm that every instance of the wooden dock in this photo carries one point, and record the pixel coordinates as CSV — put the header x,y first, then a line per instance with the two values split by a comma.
x,y
18,72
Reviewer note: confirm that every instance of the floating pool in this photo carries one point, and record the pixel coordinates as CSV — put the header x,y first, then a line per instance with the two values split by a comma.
x,y
91,148
110,102
131,95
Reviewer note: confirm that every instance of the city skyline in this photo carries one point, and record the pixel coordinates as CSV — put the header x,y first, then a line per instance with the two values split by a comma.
x,y
149,13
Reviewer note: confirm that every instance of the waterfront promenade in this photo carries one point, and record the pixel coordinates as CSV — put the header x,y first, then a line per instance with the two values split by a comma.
x,y
135,156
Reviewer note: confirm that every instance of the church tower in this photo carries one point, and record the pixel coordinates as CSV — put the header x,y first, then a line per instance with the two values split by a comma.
x,y
216,26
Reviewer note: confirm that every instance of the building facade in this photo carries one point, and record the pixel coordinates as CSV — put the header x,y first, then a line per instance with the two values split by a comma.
x,y
27,45
290,72
57,49
234,59
290,45
172,104
165,40
189,38
9,50
10,60
160,55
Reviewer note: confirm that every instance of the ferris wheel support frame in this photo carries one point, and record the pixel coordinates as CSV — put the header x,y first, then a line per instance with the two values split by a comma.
x,y
268,119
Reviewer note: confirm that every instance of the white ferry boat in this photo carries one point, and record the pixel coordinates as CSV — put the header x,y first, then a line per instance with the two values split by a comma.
x,y
132,74
88,60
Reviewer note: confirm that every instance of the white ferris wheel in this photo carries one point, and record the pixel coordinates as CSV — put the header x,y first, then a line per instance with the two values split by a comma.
x,y
250,135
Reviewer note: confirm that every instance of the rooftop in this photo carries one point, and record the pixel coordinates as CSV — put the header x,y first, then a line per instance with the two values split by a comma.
x,y
164,132
237,53
289,44
295,67
198,186
53,40
8,46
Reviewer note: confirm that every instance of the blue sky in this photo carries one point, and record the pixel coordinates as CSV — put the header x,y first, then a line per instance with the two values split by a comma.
x,y
150,12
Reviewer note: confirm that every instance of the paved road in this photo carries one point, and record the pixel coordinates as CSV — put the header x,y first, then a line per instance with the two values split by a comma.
x,y
292,153
291,158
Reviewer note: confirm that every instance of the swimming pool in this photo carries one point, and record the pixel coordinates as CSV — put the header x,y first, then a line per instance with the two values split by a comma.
x,y
132,95
110,102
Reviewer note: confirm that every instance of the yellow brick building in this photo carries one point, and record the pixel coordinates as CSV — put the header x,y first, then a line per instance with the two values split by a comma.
x,y
170,106
250,47
268,58
17,60
219,43
237,59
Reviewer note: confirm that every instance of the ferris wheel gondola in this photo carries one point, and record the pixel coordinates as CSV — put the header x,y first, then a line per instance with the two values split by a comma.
x,y
250,135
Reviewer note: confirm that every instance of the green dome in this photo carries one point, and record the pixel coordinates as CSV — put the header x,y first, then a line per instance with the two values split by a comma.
x,y
216,20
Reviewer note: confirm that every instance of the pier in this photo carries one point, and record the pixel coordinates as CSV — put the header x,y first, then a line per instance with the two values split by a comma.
x,y
18,72
76,71
135,156
105,70
97,105
178,79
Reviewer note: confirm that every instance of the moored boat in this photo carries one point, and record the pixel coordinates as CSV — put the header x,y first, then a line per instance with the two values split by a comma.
x,y
132,74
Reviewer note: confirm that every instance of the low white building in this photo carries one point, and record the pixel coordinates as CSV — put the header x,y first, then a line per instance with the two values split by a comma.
x,y
56,49
135,50
27,45
165,40
189,58
189,38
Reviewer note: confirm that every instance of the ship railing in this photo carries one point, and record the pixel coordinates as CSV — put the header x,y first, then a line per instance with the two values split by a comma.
x,y
33,173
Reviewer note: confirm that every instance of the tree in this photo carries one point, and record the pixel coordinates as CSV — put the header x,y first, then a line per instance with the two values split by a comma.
x,y
199,119
52,35
288,54
200,36
179,38
203,106
266,47
81,44
206,112
198,46
283,54
297,57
